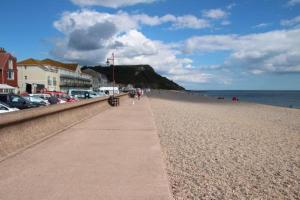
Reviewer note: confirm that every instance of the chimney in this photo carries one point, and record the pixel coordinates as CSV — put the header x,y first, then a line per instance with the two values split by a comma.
x,y
2,50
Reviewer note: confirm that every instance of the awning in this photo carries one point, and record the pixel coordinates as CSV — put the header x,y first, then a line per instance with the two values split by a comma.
x,y
4,86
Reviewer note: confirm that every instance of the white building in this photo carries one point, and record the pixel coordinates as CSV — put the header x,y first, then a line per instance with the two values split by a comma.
x,y
71,76
35,75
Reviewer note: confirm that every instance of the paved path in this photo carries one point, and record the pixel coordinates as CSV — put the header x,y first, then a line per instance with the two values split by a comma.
x,y
114,155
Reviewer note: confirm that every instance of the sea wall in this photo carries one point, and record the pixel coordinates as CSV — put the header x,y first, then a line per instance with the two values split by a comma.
x,y
19,130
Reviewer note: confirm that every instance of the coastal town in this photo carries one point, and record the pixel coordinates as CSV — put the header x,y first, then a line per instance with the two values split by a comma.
x,y
31,82
149,100
35,76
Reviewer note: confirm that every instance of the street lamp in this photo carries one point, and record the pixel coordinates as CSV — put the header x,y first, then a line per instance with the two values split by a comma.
x,y
112,58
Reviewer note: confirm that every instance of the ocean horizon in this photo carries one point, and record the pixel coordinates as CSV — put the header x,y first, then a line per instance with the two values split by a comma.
x,y
282,98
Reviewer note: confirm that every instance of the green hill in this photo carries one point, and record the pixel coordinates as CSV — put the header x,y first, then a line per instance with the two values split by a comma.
x,y
142,76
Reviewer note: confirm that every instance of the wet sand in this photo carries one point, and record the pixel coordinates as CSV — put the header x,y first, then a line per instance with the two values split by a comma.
x,y
216,149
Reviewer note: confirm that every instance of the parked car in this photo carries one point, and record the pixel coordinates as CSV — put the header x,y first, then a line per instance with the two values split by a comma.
x,y
36,100
63,100
4,108
43,96
63,97
97,94
16,101
85,94
79,93
109,90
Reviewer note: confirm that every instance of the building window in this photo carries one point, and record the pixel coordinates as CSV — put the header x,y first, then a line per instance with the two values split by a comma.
x,y
49,80
10,74
10,71
54,81
10,64
25,77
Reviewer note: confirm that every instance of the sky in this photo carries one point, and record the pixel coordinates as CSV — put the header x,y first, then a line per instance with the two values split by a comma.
x,y
200,44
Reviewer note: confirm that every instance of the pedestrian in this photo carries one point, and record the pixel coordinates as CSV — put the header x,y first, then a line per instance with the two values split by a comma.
x,y
139,93
234,99
53,100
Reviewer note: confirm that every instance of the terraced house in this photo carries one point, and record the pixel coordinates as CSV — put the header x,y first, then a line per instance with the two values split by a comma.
x,y
36,75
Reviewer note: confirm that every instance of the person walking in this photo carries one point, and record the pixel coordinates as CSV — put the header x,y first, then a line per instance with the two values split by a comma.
x,y
139,93
53,100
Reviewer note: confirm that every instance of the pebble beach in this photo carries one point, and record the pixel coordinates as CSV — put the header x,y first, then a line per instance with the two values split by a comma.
x,y
218,149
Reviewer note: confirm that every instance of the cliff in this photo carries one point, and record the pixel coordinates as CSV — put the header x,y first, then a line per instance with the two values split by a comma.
x,y
142,76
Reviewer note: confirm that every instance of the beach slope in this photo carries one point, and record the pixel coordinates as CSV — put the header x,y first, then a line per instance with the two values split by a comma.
x,y
223,150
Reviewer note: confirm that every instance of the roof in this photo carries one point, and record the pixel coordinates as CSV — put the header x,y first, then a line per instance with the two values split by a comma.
x,y
31,61
90,72
69,66
4,86
4,58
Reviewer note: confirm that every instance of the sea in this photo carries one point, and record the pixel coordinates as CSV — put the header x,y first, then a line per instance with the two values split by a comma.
x,y
287,98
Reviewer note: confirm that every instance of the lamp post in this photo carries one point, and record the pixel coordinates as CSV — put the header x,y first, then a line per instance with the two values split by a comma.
x,y
113,70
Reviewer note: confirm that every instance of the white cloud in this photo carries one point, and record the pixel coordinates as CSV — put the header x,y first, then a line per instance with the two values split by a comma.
x,y
230,6
275,51
178,22
192,76
151,20
295,22
84,42
218,15
293,2
110,3
138,49
210,43
261,25
190,21
215,13
84,19
124,22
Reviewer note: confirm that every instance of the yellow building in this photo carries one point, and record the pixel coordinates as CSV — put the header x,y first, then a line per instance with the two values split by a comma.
x,y
33,76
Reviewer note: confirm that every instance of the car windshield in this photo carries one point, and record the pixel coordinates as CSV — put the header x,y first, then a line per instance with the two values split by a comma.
x,y
27,98
36,99
77,92
37,95
18,99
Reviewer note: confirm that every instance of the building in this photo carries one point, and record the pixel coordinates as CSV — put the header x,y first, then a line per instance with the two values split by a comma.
x,y
8,70
98,79
71,76
4,88
35,75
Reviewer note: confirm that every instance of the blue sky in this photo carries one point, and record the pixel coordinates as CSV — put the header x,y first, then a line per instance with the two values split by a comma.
x,y
212,44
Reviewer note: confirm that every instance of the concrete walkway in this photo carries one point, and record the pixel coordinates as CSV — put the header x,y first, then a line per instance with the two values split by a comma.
x,y
114,155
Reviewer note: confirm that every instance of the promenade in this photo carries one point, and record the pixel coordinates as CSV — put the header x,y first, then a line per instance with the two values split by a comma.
x,y
113,155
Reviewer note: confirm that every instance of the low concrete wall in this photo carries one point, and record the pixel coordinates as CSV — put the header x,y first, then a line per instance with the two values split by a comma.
x,y
21,129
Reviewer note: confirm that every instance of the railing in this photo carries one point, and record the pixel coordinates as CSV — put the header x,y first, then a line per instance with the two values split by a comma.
x,y
71,74
75,85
